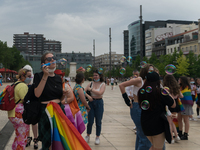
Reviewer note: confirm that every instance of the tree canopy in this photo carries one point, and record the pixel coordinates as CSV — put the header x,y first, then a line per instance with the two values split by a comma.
x,y
10,57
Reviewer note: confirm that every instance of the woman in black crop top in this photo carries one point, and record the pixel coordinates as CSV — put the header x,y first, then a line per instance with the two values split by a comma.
x,y
153,124
48,88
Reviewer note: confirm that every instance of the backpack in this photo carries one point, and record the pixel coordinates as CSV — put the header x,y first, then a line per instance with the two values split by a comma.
x,y
31,113
7,99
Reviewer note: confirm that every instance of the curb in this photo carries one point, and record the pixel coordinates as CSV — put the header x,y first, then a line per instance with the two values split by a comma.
x,y
5,134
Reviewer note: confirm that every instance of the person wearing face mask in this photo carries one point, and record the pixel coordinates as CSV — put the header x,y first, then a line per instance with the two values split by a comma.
x,y
48,88
34,127
15,115
97,89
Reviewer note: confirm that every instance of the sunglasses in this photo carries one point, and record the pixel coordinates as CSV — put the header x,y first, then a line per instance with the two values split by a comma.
x,y
50,58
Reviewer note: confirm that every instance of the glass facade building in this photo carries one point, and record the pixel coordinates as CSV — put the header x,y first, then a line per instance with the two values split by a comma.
x,y
134,39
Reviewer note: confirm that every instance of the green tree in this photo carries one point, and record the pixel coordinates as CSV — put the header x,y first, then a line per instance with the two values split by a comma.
x,y
192,60
136,63
153,59
18,60
7,58
182,66
66,70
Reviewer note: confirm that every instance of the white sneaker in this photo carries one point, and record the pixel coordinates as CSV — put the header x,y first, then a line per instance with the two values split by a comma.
x,y
87,139
198,117
136,132
172,142
177,139
192,119
134,128
97,141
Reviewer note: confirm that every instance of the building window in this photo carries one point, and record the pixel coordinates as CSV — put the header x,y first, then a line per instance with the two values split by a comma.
x,y
171,50
190,48
182,49
186,48
148,41
148,35
195,48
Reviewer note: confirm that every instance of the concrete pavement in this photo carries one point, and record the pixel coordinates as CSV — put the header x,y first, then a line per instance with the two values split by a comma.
x,y
117,127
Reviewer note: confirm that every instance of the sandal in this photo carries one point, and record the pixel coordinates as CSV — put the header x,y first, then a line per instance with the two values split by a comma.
x,y
35,140
28,143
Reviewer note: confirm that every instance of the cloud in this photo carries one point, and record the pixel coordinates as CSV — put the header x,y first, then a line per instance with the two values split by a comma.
x,y
76,22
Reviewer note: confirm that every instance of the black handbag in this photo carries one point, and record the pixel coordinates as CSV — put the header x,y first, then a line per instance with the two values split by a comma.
x,y
31,114
88,92
168,136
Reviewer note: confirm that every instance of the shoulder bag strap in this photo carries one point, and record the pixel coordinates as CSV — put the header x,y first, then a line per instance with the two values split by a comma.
x,y
14,87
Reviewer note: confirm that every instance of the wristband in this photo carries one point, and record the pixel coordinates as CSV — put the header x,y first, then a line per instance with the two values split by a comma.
x,y
126,99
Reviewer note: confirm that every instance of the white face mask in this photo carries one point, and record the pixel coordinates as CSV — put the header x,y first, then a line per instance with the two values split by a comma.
x,y
52,70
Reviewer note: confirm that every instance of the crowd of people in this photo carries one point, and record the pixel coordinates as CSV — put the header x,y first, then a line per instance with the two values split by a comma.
x,y
153,107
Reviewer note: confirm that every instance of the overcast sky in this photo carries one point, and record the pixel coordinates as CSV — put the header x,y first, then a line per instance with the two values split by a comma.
x,y
77,22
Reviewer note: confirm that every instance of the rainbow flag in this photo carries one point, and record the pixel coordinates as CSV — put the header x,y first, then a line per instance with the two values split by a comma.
x,y
187,97
64,134
196,97
2,94
175,121
180,105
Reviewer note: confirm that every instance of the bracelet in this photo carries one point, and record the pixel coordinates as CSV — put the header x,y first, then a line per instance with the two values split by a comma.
x,y
44,79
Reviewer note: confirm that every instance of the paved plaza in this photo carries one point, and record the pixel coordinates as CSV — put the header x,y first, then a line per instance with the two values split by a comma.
x,y
117,127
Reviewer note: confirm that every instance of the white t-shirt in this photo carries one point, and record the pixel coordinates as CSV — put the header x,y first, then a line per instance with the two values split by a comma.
x,y
112,80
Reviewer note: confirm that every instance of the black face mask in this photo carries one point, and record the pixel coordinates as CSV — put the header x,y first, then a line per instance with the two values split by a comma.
x,y
180,84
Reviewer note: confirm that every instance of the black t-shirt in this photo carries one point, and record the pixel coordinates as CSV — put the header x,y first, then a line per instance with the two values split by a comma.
x,y
53,87
151,121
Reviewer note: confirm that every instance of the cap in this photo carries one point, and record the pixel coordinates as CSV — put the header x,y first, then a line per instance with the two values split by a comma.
x,y
59,72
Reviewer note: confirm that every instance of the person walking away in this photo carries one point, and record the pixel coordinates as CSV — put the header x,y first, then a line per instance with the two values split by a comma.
x,y
112,82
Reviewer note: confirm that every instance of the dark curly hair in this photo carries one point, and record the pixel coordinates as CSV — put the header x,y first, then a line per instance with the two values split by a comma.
x,y
172,84
79,77
100,75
